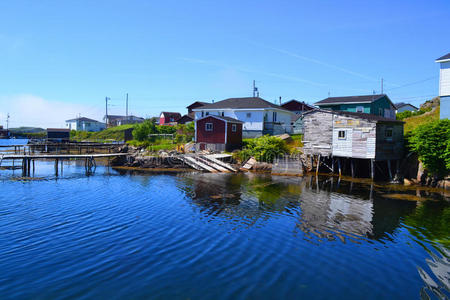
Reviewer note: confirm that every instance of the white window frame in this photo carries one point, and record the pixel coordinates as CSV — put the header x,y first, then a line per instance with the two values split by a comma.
x,y
360,109
390,135
274,116
209,127
249,115
233,127
342,137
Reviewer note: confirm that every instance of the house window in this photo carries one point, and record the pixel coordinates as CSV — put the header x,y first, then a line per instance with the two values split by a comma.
x,y
341,135
207,113
388,133
208,127
360,109
203,114
380,111
233,127
171,119
249,115
223,114
274,116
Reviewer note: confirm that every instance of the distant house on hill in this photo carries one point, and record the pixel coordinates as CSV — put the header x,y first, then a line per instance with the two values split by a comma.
x,y
401,107
379,105
259,116
444,85
169,118
115,120
296,106
85,124
194,105
190,116
185,119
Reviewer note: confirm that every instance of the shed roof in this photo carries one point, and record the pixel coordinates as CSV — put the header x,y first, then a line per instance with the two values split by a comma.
x,y
293,102
241,103
358,115
350,99
58,129
401,104
446,57
82,119
226,119
168,114
197,104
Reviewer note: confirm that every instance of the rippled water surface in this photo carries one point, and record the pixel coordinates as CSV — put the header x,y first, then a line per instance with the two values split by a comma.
x,y
216,236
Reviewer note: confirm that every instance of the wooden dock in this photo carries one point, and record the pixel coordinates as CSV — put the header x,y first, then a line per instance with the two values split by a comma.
x,y
28,160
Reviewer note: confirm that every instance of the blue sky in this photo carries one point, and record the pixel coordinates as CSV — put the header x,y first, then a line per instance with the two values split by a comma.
x,y
59,59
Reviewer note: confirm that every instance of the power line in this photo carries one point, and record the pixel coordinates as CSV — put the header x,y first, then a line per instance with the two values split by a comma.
x,y
413,83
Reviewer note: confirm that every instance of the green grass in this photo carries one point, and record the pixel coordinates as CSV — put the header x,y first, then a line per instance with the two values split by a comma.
x,y
415,121
114,133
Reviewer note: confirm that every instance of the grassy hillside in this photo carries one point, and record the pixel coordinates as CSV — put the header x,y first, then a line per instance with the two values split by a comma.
x,y
113,133
414,122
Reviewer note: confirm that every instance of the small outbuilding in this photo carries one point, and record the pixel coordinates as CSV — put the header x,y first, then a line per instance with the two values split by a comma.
x,y
218,133
355,137
58,134
169,118
401,107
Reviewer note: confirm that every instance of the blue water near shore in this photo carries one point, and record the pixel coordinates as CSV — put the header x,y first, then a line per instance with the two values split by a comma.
x,y
117,234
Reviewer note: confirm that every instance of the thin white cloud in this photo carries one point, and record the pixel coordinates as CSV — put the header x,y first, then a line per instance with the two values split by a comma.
x,y
31,110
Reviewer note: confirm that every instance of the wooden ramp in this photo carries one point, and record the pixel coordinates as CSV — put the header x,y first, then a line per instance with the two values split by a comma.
x,y
206,163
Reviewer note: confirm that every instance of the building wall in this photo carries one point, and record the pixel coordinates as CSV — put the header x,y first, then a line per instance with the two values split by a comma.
x,y
360,137
349,107
445,107
389,148
216,136
318,129
444,79
86,126
383,104
234,138
253,119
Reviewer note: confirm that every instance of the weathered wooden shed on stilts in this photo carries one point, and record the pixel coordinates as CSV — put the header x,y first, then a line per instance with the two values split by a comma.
x,y
363,142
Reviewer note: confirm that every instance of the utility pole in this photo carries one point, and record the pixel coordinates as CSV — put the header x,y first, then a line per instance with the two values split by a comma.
x,y
127,107
280,100
7,121
254,89
381,85
106,114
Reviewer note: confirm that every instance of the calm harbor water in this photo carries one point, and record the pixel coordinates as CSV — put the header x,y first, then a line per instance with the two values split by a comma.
x,y
217,236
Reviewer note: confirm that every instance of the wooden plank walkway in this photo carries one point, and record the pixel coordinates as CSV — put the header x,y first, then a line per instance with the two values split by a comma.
x,y
58,156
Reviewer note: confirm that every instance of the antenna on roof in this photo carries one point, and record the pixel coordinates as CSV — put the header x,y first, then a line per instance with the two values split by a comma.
x,y
255,90
329,93
7,121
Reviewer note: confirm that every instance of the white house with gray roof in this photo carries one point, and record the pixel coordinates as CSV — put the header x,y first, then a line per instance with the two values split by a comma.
x,y
259,116
444,85
85,124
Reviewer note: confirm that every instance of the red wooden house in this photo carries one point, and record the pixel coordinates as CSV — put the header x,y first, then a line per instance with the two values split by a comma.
x,y
218,133
169,118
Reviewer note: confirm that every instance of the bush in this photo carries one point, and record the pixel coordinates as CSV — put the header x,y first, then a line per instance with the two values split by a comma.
x,y
264,148
431,142
142,130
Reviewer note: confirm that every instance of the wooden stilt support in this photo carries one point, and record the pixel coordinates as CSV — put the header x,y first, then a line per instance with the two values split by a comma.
x,y
372,168
389,169
352,167
339,167
62,166
33,167
29,167
332,164
56,167
318,164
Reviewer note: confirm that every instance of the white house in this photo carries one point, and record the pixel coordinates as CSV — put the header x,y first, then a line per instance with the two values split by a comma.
x,y
444,85
85,124
259,116
401,107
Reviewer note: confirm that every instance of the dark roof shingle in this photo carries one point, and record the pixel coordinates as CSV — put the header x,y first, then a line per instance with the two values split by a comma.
x,y
369,117
241,103
83,119
350,99
446,56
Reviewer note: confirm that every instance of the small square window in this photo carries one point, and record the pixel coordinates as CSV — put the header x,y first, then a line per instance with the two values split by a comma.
x,y
208,127
388,133
360,109
341,135
233,127
207,113
223,114
249,115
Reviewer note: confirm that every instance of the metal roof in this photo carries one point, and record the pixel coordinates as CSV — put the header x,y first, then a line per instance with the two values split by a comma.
x,y
365,116
226,119
83,119
445,57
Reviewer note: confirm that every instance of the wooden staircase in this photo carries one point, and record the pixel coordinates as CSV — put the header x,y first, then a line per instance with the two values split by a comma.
x,y
206,163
